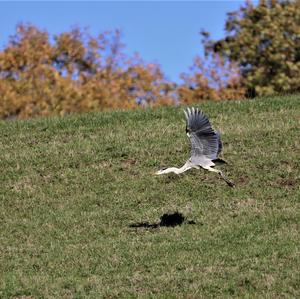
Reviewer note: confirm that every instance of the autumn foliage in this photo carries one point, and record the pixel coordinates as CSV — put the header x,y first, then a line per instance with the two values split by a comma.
x,y
211,79
74,73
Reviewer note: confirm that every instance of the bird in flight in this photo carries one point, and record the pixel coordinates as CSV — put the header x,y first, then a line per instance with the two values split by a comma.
x,y
206,145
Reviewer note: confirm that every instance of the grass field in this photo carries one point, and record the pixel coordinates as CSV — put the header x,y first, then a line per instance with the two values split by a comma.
x,y
72,188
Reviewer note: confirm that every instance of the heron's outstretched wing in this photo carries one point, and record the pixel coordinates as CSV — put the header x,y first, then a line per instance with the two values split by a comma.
x,y
220,145
205,142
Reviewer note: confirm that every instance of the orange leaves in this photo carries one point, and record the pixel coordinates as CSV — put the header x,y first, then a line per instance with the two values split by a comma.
x,y
211,79
75,73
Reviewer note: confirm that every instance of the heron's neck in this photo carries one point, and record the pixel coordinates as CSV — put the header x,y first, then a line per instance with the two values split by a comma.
x,y
176,170
171,169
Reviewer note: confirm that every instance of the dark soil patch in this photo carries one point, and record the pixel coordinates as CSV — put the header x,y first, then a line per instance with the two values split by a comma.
x,y
289,183
169,220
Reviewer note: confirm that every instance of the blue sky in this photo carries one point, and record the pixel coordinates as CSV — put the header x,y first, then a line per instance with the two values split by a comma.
x,y
165,32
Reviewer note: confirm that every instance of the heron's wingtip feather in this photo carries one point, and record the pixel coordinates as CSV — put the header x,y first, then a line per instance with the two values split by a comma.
x,y
186,115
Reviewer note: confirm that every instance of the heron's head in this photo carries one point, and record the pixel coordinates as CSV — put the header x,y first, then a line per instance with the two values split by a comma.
x,y
161,171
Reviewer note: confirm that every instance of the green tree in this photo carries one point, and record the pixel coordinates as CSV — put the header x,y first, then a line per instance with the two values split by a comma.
x,y
265,42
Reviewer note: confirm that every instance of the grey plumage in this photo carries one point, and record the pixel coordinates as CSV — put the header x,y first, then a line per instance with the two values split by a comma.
x,y
206,144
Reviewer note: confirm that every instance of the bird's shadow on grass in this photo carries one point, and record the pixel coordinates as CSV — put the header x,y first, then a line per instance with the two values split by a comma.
x,y
166,220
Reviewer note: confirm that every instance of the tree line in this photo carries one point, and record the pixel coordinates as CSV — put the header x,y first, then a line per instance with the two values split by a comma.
x,y
43,75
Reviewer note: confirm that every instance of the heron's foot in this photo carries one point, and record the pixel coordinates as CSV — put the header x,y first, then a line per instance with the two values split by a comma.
x,y
230,183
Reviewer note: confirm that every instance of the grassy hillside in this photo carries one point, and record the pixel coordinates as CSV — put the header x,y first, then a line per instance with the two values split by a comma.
x,y
72,188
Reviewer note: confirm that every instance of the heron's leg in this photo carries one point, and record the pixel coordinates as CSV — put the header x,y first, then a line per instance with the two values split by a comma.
x,y
221,174
226,179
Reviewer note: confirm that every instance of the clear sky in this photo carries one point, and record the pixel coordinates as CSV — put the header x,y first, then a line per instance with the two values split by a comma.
x,y
165,32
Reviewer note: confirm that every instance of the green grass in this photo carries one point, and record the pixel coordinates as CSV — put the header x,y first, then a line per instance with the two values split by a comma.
x,y
71,187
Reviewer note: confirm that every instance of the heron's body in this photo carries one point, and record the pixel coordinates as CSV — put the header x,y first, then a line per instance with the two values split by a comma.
x,y
206,145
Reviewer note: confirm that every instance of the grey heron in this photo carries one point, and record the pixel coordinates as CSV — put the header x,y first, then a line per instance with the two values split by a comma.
x,y
206,145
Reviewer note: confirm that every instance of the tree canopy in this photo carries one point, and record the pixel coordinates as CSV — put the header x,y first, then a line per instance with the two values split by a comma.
x,y
74,72
264,41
